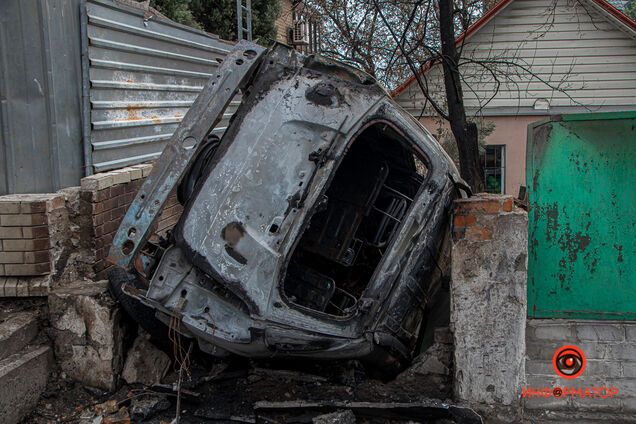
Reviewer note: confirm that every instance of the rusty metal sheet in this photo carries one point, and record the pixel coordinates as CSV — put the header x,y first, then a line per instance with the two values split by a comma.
x,y
582,251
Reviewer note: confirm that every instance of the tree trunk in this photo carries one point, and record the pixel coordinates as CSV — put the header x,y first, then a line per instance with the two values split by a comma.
x,y
465,132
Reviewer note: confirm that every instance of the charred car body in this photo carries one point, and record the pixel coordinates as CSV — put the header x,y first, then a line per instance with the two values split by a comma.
x,y
311,229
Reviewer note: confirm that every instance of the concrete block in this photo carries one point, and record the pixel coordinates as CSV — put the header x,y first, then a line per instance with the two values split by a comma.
x,y
121,176
628,404
88,334
558,331
601,332
629,369
18,330
136,173
630,331
621,351
147,169
23,378
97,182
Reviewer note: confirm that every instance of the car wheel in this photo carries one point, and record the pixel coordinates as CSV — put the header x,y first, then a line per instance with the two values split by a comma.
x,y
143,315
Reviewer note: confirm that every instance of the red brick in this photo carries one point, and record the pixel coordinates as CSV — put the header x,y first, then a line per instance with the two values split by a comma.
x,y
459,221
111,203
87,196
507,205
97,220
38,232
118,213
117,190
124,200
97,208
110,226
102,195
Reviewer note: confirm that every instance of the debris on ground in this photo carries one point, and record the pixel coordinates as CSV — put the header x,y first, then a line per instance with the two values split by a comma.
x,y
338,417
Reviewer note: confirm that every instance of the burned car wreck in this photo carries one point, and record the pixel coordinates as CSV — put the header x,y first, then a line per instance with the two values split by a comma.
x,y
312,228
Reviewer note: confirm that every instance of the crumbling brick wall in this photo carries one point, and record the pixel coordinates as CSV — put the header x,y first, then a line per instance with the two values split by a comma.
x,y
46,239
105,198
33,234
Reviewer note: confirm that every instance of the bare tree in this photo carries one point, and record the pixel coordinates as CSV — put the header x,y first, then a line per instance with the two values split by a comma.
x,y
395,39
465,132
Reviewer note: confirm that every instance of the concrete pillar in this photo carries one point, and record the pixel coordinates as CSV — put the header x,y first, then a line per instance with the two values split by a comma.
x,y
488,302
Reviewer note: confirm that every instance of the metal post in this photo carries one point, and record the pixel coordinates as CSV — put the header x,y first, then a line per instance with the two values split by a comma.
x,y
86,101
242,32
239,20
249,19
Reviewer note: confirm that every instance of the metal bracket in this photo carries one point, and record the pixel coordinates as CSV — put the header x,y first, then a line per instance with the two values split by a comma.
x,y
206,111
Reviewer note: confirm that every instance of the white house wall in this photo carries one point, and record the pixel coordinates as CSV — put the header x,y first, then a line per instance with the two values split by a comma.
x,y
579,62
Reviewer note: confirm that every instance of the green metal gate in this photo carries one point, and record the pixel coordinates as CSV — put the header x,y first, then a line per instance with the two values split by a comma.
x,y
581,175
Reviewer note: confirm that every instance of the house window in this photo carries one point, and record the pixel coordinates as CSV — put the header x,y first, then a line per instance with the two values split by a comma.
x,y
494,162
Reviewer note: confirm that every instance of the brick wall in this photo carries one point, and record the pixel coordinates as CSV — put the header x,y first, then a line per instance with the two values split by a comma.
x,y
610,350
105,198
30,233
47,239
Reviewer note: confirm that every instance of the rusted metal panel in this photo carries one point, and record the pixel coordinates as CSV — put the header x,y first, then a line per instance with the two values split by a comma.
x,y
581,172
145,72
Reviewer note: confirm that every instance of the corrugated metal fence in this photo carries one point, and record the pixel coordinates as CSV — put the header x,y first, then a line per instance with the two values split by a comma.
x,y
144,74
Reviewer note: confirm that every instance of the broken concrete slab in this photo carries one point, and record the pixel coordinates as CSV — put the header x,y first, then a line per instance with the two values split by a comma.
x,y
88,333
16,331
23,378
145,363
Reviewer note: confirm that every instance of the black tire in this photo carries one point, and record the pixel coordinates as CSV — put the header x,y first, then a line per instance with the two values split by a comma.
x,y
143,315
192,177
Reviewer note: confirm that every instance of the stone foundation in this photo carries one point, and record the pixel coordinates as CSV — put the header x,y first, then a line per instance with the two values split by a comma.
x,y
88,334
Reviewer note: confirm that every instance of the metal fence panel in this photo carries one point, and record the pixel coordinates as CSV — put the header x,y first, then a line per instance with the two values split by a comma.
x,y
40,141
145,72
581,171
